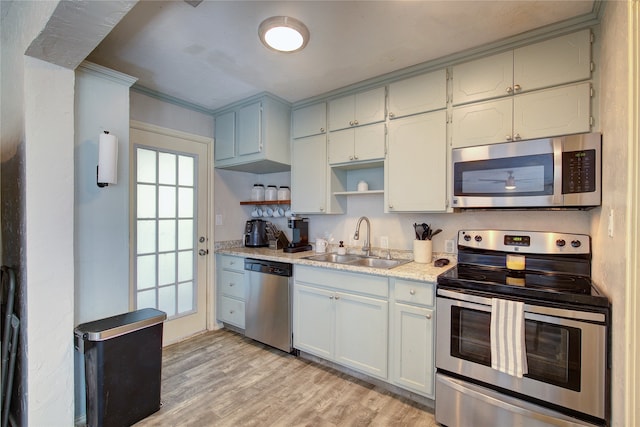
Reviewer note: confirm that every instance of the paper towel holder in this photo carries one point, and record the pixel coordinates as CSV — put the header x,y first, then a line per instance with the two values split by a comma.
x,y
107,169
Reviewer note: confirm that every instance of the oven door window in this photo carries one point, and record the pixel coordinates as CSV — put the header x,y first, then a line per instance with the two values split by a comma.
x,y
520,176
553,351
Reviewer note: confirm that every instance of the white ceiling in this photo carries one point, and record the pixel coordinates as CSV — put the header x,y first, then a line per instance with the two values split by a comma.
x,y
210,55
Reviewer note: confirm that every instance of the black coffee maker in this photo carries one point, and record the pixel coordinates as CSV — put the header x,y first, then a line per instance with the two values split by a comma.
x,y
300,235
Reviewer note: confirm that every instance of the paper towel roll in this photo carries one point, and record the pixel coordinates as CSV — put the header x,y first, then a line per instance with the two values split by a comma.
x,y
108,159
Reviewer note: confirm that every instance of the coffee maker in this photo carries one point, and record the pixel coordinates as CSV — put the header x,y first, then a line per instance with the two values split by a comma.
x,y
300,235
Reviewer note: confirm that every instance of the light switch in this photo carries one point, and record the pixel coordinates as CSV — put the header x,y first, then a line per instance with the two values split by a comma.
x,y
218,219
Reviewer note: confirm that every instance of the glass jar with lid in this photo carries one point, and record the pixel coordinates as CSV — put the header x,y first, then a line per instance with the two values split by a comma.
x,y
271,193
284,193
257,193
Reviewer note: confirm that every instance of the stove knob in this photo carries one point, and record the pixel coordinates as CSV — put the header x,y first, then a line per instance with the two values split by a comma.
x,y
560,242
478,239
467,237
575,243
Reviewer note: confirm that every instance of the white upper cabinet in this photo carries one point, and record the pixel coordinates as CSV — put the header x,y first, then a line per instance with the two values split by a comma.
x,y
309,174
363,143
225,136
358,109
553,62
310,120
416,165
558,111
419,94
254,136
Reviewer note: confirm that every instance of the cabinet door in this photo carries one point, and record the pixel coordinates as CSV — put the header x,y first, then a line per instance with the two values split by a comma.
x,y
483,78
553,62
313,320
341,146
249,129
559,111
370,106
413,348
417,164
225,136
362,333
232,311
369,142
232,283
309,174
341,112
311,120
419,94
482,123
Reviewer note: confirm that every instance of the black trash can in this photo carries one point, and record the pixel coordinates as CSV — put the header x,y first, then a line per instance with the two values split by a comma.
x,y
123,366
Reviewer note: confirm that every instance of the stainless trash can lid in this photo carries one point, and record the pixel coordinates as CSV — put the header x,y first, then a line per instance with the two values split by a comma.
x,y
115,326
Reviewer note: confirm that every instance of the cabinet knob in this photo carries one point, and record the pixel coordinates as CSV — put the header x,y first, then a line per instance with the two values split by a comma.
x,y
412,292
517,137
231,311
322,130
321,209
390,206
231,284
351,123
330,296
391,115
355,157
350,157
428,316
517,88
508,137
509,90
232,262
356,122
337,296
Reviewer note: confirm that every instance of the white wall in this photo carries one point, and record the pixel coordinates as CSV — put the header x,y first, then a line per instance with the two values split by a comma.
x,y
609,252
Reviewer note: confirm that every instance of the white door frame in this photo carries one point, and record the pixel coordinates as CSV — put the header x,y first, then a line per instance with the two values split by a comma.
x,y
210,279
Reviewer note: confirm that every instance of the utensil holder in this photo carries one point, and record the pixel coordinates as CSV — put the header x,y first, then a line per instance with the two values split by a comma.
x,y
422,251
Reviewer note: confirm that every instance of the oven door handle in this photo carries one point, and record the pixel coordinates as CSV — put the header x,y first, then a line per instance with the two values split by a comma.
x,y
528,308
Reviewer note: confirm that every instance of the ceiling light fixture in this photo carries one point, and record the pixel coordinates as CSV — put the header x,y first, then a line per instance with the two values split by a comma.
x,y
283,34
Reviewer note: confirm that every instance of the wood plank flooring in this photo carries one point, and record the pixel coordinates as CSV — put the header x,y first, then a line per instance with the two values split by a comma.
x,y
221,378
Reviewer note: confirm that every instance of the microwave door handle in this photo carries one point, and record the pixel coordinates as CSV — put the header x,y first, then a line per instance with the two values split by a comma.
x,y
557,198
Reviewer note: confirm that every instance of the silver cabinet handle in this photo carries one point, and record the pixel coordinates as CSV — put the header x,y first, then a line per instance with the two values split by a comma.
x,y
509,90
517,88
412,292
428,316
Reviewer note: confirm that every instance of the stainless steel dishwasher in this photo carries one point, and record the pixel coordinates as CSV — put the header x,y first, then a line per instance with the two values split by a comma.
x,y
268,303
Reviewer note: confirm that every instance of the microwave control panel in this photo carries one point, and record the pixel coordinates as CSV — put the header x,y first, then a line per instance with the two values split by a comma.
x,y
578,171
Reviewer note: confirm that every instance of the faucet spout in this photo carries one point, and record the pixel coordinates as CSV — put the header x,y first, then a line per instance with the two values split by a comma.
x,y
367,243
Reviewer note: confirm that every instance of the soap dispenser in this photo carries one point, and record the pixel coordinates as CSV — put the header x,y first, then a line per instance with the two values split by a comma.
x,y
341,249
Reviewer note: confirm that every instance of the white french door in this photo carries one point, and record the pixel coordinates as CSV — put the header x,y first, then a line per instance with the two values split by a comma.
x,y
169,229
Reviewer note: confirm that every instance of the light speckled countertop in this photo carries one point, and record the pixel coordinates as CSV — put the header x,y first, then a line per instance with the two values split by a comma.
x,y
411,270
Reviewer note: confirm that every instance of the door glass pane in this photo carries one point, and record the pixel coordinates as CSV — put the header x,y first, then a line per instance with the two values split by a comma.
x,y
166,268
185,234
146,164
146,204
146,299
185,266
185,297
146,236
167,202
146,268
185,206
166,168
166,300
186,171
167,235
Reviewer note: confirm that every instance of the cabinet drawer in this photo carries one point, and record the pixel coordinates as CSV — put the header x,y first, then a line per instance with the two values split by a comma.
x,y
414,292
229,262
232,311
232,284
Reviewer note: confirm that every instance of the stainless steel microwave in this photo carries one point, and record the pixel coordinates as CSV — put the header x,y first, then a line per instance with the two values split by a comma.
x,y
559,172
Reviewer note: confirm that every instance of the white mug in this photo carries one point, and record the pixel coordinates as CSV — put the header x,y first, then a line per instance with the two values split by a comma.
x,y
267,212
321,245
288,213
277,212
257,212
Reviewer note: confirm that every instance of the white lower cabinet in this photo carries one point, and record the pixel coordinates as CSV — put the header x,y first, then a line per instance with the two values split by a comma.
x,y
412,336
342,317
230,286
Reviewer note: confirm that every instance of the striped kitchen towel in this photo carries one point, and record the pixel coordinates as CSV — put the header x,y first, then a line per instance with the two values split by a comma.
x,y
508,352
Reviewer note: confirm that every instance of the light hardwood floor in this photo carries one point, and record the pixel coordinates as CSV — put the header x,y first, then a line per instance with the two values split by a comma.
x,y
221,378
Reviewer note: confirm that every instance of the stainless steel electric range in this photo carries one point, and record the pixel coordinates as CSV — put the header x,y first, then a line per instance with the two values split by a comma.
x,y
563,326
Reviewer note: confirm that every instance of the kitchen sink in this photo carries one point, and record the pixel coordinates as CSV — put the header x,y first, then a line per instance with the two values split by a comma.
x,y
331,257
363,261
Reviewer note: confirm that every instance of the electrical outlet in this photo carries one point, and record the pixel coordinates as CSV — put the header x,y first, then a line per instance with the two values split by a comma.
x,y
450,246
384,242
218,219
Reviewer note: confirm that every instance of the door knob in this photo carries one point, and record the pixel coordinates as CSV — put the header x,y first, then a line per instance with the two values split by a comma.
x,y
203,252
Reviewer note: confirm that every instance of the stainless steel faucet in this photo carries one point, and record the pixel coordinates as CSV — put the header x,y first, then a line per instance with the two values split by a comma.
x,y
367,244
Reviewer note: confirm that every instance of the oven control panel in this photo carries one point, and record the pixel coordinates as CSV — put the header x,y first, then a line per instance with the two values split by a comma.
x,y
525,242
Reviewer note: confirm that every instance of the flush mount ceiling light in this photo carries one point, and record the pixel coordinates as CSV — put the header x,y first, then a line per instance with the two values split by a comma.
x,y
283,34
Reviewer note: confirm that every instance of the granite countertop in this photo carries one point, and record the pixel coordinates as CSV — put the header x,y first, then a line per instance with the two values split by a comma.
x,y
411,270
